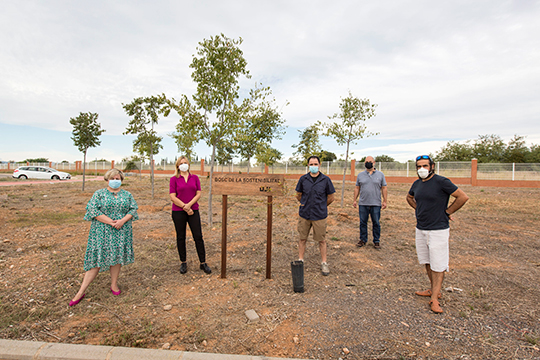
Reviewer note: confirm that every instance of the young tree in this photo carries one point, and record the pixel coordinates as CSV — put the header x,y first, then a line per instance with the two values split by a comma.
x,y
351,127
188,133
214,115
225,154
145,111
86,133
261,123
309,144
268,155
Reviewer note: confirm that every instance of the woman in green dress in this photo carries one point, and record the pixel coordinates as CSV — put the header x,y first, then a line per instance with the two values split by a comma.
x,y
110,241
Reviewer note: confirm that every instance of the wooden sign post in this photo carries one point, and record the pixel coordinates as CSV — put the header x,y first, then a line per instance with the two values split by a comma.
x,y
248,185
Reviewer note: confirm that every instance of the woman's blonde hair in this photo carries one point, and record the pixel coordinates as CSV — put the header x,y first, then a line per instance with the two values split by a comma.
x,y
112,173
176,170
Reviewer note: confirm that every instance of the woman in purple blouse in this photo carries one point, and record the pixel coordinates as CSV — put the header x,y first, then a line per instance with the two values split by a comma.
x,y
185,191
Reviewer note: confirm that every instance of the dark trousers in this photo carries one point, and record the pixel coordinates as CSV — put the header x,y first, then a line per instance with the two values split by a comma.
x,y
181,219
375,213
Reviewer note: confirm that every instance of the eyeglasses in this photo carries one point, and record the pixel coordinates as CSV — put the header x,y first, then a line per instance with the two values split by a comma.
x,y
422,157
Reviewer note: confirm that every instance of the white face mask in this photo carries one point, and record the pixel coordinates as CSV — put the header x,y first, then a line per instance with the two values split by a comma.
x,y
183,167
423,173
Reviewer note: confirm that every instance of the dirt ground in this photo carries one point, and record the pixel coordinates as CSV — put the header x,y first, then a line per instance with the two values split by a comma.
x,y
365,308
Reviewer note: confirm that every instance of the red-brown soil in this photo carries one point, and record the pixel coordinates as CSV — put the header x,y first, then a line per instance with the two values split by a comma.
x,y
366,305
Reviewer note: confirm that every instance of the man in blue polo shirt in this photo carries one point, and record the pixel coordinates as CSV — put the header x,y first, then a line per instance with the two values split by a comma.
x,y
370,185
429,197
315,192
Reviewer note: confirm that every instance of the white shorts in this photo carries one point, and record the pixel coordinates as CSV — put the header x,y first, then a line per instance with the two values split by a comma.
x,y
432,248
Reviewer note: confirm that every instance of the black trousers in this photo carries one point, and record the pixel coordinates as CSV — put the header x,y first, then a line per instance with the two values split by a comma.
x,y
181,219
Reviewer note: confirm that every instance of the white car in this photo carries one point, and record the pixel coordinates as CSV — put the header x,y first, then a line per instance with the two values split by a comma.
x,y
39,172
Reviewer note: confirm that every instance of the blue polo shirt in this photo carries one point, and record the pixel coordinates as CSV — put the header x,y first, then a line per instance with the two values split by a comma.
x,y
314,196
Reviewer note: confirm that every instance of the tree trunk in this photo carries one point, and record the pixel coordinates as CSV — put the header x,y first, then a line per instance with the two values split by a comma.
x,y
344,174
248,163
152,163
84,170
210,187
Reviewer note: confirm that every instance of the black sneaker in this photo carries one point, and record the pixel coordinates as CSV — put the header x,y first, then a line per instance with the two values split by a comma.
x,y
204,267
377,246
183,268
360,243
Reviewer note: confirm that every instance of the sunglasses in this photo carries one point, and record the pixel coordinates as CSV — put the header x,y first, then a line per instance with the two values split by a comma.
x,y
422,157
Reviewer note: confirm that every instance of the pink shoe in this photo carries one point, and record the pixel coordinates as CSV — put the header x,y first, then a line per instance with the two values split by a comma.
x,y
73,303
116,293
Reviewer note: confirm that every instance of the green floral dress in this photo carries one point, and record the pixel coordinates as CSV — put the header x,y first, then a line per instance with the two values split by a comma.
x,y
108,246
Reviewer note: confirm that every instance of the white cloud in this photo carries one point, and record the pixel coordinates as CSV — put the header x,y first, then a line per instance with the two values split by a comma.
x,y
437,71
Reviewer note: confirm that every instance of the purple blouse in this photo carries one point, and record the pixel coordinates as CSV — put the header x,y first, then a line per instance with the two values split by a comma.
x,y
185,191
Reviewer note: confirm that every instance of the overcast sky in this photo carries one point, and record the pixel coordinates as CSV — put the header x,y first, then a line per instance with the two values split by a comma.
x,y
438,71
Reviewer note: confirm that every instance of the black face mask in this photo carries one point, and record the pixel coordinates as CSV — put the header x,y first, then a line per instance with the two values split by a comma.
x,y
369,165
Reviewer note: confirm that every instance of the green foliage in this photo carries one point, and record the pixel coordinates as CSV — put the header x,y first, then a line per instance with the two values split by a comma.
x,y
534,154
261,123
490,149
350,126
383,158
454,151
327,155
86,131
217,67
268,155
132,163
225,152
309,143
144,112
516,151
190,128
37,160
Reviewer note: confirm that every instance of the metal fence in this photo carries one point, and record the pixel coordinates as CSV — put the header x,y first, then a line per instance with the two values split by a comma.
x,y
453,169
527,171
57,166
459,169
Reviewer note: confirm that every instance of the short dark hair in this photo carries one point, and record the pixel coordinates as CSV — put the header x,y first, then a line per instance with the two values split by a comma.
x,y
314,157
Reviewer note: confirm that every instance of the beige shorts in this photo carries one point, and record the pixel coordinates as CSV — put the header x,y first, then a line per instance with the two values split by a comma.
x,y
432,248
319,229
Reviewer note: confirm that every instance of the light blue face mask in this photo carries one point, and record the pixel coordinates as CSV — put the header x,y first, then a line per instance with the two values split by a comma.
x,y
314,169
115,184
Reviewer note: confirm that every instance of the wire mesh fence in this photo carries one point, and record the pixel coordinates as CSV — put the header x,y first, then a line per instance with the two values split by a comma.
x,y
513,171
451,169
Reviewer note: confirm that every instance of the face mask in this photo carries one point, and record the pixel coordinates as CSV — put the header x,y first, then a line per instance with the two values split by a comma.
x,y
422,173
115,184
184,167
369,165
314,169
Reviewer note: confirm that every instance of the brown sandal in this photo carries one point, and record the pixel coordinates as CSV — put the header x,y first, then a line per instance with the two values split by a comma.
x,y
435,307
427,293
